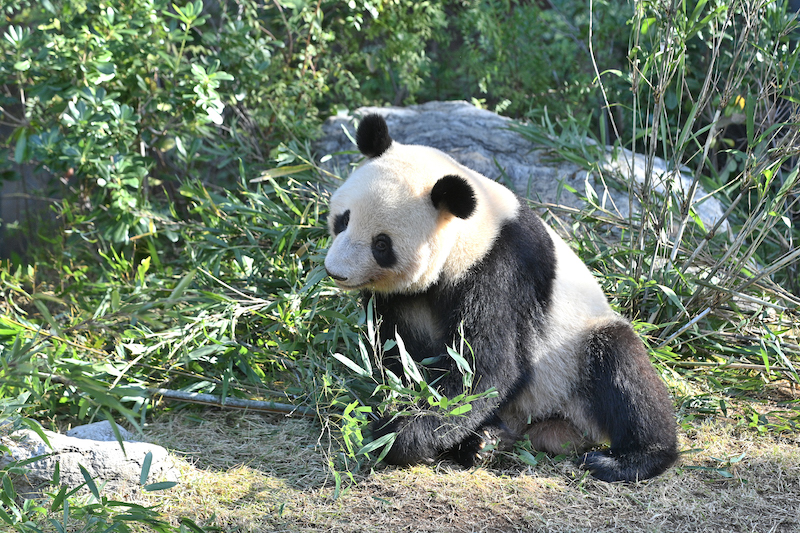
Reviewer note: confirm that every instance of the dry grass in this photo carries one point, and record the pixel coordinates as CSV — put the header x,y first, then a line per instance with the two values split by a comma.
x,y
251,473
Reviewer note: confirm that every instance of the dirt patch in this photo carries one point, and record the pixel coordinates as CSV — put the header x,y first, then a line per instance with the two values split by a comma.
x,y
252,473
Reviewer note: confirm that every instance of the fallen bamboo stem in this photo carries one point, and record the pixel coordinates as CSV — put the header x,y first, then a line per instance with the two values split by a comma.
x,y
734,366
211,399
234,403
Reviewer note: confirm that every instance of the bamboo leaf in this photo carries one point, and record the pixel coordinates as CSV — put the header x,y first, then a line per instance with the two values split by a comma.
x,y
182,285
350,364
8,487
21,147
527,457
148,459
365,359
409,365
672,297
48,317
192,525
750,112
58,500
114,429
162,485
462,363
6,518
89,483
461,409
37,428
279,172
386,440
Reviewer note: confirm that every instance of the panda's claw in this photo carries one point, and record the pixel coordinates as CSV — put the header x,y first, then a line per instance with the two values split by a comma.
x,y
488,440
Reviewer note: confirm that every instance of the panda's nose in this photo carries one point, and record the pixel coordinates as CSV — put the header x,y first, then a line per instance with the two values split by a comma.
x,y
334,276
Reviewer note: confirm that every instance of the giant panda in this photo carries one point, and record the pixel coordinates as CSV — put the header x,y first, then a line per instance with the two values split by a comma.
x,y
439,247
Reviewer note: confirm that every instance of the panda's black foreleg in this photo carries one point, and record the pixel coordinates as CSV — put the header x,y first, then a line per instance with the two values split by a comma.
x,y
413,443
423,438
631,405
425,435
467,452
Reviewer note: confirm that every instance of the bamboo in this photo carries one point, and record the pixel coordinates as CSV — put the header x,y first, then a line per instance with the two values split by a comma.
x,y
211,399
233,403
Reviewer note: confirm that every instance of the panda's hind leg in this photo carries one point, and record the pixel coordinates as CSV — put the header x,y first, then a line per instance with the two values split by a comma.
x,y
556,436
630,404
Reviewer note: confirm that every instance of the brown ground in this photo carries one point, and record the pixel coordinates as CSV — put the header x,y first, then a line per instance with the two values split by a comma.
x,y
253,473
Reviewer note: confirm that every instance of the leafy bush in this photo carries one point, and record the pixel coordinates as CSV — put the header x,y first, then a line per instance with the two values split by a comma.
x,y
243,313
123,100
523,56
99,96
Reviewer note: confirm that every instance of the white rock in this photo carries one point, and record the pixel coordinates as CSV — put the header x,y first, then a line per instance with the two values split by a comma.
x,y
100,431
108,464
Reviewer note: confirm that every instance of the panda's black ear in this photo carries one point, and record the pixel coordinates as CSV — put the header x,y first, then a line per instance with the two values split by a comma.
x,y
372,136
454,194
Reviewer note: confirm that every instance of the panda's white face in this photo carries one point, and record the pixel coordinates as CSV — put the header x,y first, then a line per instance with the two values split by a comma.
x,y
389,234
385,231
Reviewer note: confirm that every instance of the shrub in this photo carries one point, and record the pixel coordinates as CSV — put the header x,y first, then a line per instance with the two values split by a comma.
x,y
522,56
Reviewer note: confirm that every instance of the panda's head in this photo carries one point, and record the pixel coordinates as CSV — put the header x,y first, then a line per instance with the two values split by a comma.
x,y
410,216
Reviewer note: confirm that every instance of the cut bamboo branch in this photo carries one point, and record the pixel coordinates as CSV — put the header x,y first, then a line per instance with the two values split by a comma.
x,y
734,366
233,403
211,399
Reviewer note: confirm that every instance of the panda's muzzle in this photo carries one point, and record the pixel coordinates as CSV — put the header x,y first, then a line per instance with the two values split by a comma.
x,y
334,276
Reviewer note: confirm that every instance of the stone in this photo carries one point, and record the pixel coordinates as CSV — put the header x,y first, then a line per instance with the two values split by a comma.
x,y
100,431
114,470
484,141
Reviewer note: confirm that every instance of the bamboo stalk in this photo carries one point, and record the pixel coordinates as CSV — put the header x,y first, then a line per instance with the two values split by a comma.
x,y
734,366
233,403
211,399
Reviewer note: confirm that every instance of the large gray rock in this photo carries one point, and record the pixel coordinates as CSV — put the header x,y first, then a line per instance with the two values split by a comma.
x,y
483,141
476,138
102,457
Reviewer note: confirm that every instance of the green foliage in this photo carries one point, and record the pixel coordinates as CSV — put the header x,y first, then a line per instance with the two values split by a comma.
x,y
100,91
247,312
123,102
411,394
522,56
91,512
243,305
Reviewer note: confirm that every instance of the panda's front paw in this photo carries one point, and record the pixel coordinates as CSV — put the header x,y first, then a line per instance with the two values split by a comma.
x,y
473,449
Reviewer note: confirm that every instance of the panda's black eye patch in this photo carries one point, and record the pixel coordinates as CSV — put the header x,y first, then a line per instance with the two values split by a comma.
x,y
382,251
340,222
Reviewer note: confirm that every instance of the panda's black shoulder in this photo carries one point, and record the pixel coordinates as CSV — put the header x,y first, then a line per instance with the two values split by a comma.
x,y
530,229
522,261
524,242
